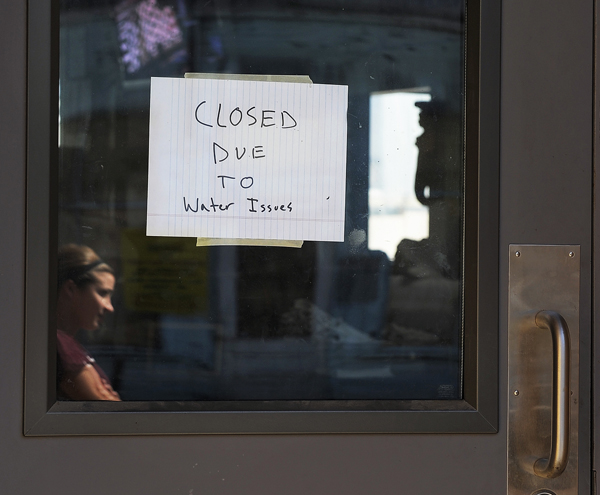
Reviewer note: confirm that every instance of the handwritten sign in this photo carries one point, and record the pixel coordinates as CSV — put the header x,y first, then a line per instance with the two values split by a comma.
x,y
247,159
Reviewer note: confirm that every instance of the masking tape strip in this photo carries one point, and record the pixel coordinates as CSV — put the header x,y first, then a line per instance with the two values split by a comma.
x,y
249,77
210,241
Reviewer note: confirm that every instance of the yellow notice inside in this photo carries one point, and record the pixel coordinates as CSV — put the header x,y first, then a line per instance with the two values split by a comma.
x,y
208,241
163,274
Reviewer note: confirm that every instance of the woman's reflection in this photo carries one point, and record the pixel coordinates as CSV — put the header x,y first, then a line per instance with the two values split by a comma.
x,y
85,286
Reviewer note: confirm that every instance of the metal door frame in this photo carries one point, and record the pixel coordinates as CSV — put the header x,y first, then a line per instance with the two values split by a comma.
x,y
477,412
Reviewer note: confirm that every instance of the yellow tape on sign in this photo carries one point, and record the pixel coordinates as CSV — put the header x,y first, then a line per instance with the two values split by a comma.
x,y
209,241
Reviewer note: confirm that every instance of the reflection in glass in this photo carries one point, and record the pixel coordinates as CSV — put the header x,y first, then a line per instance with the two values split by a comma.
x,y
354,320
394,210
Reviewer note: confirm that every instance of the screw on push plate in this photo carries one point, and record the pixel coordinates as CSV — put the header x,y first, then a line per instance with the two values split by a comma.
x,y
516,393
518,253
571,254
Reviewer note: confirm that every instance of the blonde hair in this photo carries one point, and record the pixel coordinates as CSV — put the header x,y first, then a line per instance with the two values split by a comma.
x,y
79,263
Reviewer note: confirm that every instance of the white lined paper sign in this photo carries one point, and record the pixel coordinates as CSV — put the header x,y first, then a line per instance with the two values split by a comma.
x,y
238,159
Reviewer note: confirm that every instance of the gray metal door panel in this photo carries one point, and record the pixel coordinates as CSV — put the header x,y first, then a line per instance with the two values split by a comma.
x,y
546,159
546,146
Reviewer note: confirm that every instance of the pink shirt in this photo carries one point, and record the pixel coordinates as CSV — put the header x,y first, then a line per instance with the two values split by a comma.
x,y
72,357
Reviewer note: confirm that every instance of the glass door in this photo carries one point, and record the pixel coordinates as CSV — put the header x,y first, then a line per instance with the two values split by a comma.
x,y
338,328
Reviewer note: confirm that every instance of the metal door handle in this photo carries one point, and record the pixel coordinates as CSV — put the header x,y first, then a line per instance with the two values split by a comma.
x,y
556,463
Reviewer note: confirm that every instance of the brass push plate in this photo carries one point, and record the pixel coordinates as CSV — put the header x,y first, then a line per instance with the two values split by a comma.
x,y
540,278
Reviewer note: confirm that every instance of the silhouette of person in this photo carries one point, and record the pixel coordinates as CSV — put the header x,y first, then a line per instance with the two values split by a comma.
x,y
85,286
438,181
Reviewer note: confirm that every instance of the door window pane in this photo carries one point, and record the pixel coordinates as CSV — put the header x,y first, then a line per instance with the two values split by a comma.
x,y
376,317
